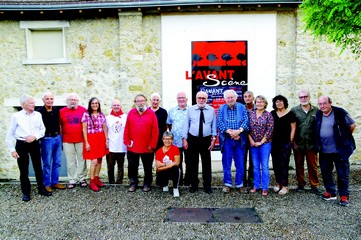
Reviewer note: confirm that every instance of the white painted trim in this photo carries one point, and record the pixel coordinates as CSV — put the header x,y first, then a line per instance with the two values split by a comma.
x,y
30,61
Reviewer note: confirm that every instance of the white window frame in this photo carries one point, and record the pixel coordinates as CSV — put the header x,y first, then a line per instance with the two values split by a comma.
x,y
44,25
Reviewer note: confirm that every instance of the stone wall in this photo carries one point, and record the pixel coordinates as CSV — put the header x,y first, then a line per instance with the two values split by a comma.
x,y
120,57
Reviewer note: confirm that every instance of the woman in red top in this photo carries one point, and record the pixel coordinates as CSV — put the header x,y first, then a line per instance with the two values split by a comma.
x,y
95,145
167,161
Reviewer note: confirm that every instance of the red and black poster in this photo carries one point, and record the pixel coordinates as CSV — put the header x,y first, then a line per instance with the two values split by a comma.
x,y
218,66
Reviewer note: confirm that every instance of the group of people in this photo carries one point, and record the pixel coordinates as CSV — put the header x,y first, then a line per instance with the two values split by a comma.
x,y
307,130
185,134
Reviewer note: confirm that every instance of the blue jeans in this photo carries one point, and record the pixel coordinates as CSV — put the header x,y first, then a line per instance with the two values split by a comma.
x,y
233,150
260,158
327,160
51,158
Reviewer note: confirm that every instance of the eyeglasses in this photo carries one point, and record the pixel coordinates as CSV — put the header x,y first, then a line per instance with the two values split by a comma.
x,y
140,101
300,97
201,98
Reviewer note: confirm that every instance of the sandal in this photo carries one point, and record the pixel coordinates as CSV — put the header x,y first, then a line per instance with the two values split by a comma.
x,y
83,183
70,186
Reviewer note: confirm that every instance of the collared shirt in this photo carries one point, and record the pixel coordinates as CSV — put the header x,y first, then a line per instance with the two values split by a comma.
x,y
260,127
305,127
23,125
50,119
116,126
176,118
191,124
94,124
228,119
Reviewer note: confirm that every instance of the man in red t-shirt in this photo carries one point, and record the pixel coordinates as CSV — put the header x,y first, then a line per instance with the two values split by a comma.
x,y
71,129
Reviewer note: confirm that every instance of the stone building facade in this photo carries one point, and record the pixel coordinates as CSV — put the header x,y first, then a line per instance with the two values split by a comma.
x,y
120,56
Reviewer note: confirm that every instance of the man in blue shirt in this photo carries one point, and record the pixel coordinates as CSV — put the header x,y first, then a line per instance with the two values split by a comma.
x,y
233,125
175,122
199,135
335,144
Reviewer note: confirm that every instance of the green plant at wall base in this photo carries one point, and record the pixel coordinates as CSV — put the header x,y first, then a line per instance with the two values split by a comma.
x,y
338,21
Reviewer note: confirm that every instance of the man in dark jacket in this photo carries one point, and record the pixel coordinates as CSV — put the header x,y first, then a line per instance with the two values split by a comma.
x,y
335,144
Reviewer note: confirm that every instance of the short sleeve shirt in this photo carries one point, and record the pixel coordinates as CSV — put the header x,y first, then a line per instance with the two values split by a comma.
x,y
165,156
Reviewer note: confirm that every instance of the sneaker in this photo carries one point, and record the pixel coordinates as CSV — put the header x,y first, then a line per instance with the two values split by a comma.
x,y
328,196
226,189
165,189
316,191
277,188
175,192
300,189
283,191
344,201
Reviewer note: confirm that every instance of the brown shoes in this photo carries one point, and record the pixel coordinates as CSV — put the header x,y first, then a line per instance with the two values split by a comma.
x,y
58,186
48,188
242,190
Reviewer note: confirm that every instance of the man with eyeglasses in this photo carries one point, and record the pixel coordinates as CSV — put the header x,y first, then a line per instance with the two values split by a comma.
x,y
175,122
335,144
199,136
304,143
140,137
72,134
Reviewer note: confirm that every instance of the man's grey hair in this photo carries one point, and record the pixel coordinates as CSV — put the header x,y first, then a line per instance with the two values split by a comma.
x,y
155,95
140,95
47,94
230,91
24,98
70,94
248,92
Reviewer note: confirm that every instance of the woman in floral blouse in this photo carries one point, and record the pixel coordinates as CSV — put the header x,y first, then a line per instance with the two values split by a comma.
x,y
260,136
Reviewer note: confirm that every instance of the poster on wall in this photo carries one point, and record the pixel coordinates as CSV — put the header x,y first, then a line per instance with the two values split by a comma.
x,y
218,66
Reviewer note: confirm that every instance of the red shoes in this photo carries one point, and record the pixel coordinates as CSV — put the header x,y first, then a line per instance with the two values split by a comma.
x,y
98,182
95,184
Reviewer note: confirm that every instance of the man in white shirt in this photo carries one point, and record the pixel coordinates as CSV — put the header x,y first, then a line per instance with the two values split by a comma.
x,y
116,123
26,128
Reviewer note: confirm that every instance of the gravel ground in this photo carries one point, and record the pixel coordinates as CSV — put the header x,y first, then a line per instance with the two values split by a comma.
x,y
113,213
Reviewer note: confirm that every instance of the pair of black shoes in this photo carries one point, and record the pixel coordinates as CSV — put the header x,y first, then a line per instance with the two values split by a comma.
x,y
43,192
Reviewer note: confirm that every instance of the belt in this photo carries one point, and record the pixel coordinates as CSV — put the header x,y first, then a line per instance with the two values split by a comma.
x,y
51,134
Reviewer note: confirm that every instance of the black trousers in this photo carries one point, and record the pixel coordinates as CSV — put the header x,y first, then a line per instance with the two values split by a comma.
x,y
133,165
199,146
248,173
25,149
184,178
112,159
172,174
